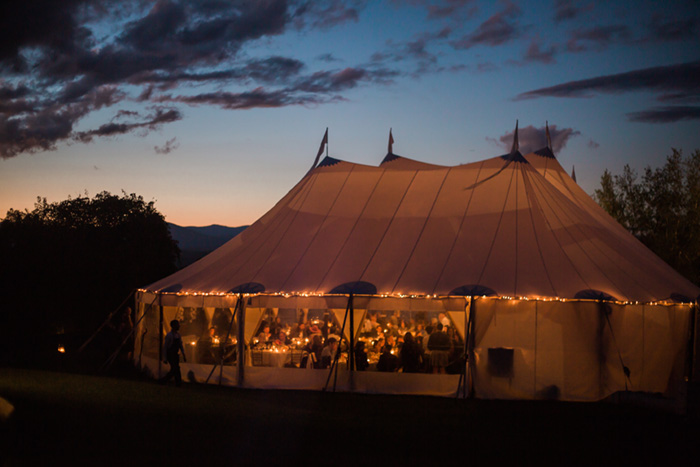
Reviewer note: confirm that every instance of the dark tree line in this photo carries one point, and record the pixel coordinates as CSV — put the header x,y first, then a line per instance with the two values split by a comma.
x,y
67,265
661,208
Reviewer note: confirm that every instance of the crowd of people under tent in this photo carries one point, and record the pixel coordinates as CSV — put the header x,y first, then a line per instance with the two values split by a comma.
x,y
409,342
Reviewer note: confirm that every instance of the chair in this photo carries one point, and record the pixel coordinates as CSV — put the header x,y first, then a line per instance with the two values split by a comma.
x,y
257,357
297,356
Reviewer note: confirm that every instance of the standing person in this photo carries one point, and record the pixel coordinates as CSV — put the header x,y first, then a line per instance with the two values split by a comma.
x,y
172,347
411,354
439,345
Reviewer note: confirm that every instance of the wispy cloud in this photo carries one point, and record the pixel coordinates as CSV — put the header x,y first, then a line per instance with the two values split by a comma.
x,y
498,29
666,114
673,82
169,146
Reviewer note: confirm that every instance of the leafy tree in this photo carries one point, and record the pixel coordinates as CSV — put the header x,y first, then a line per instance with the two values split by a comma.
x,y
66,265
661,208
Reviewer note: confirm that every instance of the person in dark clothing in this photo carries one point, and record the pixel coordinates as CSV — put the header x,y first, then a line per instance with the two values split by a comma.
x,y
439,346
387,361
361,361
411,354
172,348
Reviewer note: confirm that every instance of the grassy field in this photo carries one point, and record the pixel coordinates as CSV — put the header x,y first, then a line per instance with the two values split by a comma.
x,y
69,419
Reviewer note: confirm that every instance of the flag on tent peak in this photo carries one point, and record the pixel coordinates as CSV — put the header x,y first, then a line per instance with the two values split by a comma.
x,y
573,173
390,149
324,143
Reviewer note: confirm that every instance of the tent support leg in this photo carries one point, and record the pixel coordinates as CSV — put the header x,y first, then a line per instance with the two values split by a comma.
x,y
160,342
113,357
462,384
222,348
334,363
471,362
109,318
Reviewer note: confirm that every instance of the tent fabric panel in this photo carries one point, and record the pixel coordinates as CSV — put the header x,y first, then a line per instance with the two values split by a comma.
x,y
435,243
368,232
504,327
253,319
403,231
280,258
568,349
334,231
665,337
465,264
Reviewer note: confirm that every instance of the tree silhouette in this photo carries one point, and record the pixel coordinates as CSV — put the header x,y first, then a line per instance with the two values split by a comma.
x,y
67,265
662,208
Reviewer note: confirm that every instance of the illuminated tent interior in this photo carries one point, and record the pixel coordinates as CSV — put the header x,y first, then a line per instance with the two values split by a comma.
x,y
550,296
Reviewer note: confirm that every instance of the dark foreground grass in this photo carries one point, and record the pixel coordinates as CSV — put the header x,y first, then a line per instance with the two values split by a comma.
x,y
68,419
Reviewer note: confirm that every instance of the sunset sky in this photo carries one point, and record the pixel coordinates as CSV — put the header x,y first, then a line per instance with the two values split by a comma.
x,y
216,109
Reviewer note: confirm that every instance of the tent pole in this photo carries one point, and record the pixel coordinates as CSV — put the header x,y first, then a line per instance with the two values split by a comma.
x,y
222,347
334,363
109,318
113,357
351,349
471,364
160,341
241,343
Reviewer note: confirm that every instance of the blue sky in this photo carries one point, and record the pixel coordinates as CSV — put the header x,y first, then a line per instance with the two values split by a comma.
x,y
216,109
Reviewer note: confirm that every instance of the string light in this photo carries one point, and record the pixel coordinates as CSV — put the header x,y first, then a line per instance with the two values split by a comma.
x,y
412,296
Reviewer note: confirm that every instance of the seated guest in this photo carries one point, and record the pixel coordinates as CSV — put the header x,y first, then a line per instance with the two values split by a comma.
x,y
411,354
361,361
387,361
369,325
328,353
265,335
378,345
300,331
281,339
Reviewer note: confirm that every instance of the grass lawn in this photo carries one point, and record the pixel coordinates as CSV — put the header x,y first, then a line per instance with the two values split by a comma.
x,y
70,419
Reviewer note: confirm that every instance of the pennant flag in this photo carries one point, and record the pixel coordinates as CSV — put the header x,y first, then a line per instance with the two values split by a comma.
x,y
324,142
515,140
391,143
549,139
573,172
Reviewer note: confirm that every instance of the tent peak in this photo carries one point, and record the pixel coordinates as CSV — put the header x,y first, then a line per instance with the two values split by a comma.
x,y
545,152
514,157
390,157
515,146
328,161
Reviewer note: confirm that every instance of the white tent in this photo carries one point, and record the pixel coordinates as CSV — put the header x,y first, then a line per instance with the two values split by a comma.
x,y
554,297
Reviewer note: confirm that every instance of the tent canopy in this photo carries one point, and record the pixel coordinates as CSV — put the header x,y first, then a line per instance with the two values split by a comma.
x,y
513,225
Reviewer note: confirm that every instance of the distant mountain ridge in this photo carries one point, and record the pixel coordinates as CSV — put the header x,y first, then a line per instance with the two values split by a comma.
x,y
196,242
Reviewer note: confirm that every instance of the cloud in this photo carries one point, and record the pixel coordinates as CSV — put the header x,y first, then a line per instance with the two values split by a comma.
x,y
665,30
450,9
668,114
536,54
62,61
531,138
565,10
673,82
596,38
158,117
592,144
169,146
496,30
